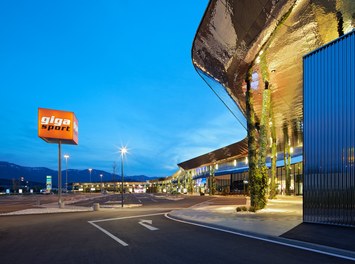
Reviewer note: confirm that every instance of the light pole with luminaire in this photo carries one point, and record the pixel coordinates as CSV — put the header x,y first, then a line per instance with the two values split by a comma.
x,y
66,156
90,170
123,151
101,181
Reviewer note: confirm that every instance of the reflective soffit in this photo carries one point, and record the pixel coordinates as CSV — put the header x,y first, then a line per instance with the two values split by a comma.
x,y
236,151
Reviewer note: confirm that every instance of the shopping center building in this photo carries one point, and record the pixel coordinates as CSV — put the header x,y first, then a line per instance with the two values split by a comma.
x,y
271,41
229,166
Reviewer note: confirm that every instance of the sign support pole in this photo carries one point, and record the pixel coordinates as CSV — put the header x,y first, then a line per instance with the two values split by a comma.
x,y
60,174
55,126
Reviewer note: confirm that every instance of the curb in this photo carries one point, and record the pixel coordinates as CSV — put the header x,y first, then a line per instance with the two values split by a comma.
x,y
317,248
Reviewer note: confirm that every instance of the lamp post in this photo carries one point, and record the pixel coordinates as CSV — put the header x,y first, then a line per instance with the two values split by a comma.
x,y
101,181
90,169
123,151
66,156
60,174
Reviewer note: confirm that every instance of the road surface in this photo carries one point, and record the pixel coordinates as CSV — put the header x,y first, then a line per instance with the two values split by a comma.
x,y
135,235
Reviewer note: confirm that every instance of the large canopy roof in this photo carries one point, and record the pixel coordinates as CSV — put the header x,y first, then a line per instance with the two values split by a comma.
x,y
236,151
272,37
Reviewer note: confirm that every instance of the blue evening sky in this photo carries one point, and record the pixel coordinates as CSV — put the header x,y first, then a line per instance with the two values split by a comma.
x,y
124,68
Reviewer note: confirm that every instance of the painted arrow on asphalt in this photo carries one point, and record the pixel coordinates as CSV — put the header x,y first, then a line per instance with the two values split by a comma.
x,y
147,224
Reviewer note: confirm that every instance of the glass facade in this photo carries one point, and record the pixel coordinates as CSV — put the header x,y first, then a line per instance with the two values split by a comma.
x,y
232,177
329,133
239,181
223,95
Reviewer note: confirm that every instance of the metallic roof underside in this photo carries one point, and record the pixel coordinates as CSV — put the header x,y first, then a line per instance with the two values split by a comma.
x,y
272,36
235,151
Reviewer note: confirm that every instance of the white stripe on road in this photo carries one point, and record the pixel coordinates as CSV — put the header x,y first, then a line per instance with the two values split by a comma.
x,y
119,218
264,239
109,234
148,224
126,217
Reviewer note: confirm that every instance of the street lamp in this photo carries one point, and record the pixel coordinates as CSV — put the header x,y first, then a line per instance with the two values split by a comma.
x,y
101,181
123,151
66,156
90,169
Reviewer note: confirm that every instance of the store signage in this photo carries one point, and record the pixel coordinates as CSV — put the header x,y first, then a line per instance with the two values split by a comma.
x,y
56,125
48,183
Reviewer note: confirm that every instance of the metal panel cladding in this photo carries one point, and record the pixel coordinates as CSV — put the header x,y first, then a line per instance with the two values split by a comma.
x,y
329,133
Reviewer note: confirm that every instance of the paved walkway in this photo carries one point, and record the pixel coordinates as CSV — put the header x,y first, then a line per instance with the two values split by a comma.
x,y
280,215
280,221
50,209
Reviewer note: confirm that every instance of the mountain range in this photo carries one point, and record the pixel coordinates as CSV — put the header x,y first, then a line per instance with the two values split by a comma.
x,y
10,171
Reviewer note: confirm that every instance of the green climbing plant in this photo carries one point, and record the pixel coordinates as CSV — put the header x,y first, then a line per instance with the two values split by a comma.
x,y
190,187
254,173
287,160
273,186
212,181
263,142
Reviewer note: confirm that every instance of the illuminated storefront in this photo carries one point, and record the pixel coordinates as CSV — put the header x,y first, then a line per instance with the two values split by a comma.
x,y
231,174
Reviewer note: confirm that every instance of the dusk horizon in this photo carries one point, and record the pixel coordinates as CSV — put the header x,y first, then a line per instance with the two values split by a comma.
x,y
129,80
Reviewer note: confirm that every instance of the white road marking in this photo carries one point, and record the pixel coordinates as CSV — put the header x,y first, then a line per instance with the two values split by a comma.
x,y
109,234
147,224
264,239
120,241
126,217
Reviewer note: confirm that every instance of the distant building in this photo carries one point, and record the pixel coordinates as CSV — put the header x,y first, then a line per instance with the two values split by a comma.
x,y
114,186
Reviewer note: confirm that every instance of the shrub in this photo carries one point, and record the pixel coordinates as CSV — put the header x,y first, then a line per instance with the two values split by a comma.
x,y
252,209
